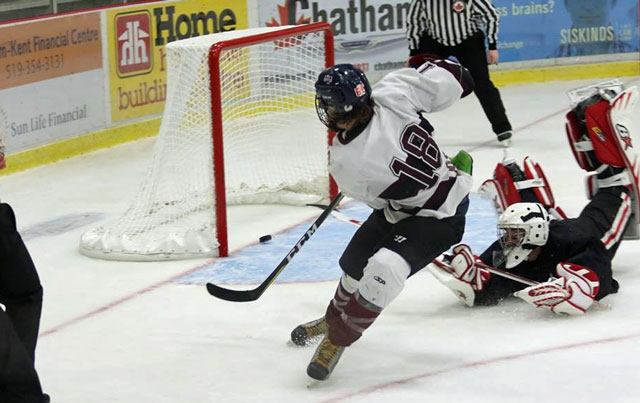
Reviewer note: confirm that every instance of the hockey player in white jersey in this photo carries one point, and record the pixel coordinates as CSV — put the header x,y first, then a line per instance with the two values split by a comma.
x,y
385,155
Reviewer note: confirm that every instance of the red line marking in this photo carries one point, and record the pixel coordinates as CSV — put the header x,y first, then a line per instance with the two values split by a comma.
x,y
117,302
528,125
152,287
143,291
403,381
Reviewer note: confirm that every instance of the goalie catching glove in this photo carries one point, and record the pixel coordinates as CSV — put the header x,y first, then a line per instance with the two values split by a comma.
x,y
572,293
460,273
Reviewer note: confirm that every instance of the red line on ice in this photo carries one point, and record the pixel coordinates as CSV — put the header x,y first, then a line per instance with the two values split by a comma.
x,y
403,381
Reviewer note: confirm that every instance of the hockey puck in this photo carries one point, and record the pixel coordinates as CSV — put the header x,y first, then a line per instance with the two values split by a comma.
x,y
265,238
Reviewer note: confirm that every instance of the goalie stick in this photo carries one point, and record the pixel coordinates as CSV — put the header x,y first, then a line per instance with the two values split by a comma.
x,y
252,295
498,272
445,266
503,273
436,261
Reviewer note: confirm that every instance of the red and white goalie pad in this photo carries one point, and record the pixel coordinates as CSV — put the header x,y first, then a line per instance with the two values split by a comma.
x,y
621,118
579,142
504,190
605,134
572,293
593,143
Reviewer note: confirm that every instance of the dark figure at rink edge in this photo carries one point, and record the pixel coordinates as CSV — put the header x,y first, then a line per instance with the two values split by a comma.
x,y
444,28
384,154
21,294
569,257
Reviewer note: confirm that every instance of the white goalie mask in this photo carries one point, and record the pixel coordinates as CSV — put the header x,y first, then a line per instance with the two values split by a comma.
x,y
521,228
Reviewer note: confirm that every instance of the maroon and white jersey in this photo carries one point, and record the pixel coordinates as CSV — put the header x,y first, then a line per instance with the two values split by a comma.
x,y
394,162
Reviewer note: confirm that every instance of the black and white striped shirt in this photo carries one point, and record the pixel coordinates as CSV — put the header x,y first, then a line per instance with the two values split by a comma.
x,y
451,21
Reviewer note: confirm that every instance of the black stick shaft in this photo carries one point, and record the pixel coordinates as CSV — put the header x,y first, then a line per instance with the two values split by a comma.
x,y
252,295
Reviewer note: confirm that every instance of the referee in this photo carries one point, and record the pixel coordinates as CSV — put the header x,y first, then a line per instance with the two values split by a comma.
x,y
443,28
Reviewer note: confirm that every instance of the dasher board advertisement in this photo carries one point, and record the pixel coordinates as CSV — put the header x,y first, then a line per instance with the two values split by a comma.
x,y
52,84
136,39
566,28
367,33
371,33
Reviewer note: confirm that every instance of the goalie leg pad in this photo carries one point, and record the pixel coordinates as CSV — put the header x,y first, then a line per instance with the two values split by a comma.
x,y
579,142
492,189
621,116
541,187
601,133
530,185
506,184
595,143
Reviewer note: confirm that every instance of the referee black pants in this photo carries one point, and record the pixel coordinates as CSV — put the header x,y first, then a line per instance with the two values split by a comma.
x,y
472,54
21,294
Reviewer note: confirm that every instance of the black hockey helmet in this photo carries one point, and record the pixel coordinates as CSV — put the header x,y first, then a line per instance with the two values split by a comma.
x,y
340,91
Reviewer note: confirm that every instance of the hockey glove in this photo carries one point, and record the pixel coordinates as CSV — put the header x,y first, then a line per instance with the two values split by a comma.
x,y
572,293
460,274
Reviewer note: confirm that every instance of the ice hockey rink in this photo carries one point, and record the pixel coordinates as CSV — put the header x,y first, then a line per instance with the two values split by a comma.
x,y
149,332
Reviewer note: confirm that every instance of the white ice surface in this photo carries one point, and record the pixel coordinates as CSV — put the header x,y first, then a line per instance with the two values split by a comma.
x,y
127,332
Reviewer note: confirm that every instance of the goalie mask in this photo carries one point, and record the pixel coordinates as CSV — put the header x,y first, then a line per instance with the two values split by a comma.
x,y
521,228
341,93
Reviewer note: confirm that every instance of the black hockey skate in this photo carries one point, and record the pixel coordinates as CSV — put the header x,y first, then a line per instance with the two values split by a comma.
x,y
504,138
324,359
309,332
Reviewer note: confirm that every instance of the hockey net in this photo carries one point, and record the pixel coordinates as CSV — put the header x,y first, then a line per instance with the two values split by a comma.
x,y
239,127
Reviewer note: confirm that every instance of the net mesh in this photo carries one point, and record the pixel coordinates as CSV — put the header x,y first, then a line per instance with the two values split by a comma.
x,y
275,149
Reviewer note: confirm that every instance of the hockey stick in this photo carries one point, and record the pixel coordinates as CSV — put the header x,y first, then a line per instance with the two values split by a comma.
x,y
490,269
252,295
446,267
510,276
338,215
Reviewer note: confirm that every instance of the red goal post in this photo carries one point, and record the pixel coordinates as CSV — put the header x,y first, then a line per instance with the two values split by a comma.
x,y
239,127
214,65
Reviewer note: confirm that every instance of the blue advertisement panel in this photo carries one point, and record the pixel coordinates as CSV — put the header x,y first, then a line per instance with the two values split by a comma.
x,y
371,33
566,28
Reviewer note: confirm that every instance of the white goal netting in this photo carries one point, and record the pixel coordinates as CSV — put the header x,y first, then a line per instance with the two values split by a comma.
x,y
275,149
